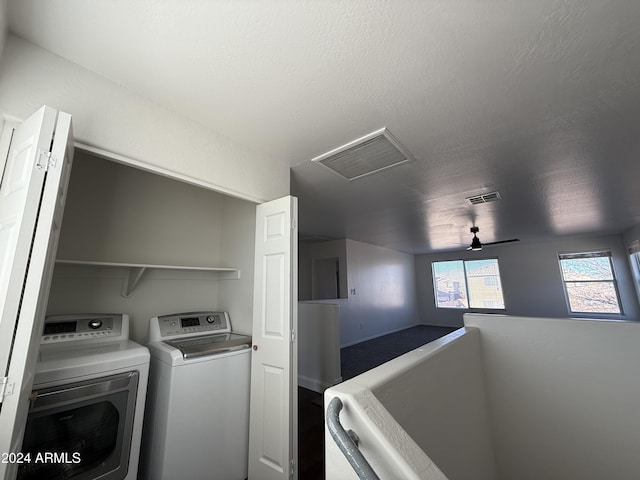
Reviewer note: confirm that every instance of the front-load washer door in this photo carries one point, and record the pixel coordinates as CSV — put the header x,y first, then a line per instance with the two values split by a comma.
x,y
81,430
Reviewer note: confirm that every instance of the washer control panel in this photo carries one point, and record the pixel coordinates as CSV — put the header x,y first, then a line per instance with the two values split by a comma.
x,y
192,323
70,328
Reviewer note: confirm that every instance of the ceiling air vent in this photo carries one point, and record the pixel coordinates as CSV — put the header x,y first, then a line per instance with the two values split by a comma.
x,y
484,198
364,156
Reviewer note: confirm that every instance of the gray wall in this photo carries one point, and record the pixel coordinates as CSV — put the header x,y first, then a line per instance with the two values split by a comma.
x,y
531,279
237,250
310,251
116,213
384,284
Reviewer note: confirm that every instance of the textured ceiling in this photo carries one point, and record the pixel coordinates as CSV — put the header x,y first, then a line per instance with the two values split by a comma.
x,y
539,100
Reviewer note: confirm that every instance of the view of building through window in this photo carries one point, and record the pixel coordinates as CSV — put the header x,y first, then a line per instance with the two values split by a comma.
x,y
590,283
468,284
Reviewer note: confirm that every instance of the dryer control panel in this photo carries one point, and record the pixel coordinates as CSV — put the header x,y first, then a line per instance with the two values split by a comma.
x,y
185,324
74,327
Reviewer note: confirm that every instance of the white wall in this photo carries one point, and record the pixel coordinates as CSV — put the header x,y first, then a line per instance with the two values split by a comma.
x,y
109,117
531,279
120,214
563,396
546,398
632,242
632,237
441,403
318,345
435,395
382,293
385,296
3,25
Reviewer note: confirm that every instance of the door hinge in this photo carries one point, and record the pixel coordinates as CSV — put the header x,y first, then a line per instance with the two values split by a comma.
x,y
6,388
292,467
293,336
45,160
293,224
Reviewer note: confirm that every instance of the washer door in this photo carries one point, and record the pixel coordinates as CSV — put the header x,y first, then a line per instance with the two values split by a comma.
x,y
81,430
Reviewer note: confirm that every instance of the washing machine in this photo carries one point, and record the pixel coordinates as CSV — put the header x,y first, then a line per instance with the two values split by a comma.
x,y
85,415
197,416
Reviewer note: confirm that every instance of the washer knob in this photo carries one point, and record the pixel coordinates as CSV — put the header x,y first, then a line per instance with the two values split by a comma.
x,y
211,319
95,324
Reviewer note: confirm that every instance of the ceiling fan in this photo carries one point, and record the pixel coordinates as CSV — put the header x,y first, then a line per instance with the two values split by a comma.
x,y
477,245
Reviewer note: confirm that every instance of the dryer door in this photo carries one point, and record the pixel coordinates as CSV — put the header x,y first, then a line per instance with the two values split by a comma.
x,y
81,430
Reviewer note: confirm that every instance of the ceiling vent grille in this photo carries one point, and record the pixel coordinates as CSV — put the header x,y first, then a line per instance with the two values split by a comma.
x,y
484,198
366,155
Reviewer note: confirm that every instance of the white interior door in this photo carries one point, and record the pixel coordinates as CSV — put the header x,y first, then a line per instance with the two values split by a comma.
x,y
273,438
32,195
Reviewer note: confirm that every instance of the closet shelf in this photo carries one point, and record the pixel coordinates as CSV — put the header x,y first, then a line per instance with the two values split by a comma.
x,y
137,270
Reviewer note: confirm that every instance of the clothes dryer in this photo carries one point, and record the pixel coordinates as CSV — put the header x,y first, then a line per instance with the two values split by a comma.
x,y
85,416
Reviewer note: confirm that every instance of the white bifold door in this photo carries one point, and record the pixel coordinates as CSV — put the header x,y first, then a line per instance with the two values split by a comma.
x,y
274,408
35,176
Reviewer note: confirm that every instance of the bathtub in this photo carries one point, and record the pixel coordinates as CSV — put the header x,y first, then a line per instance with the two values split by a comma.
x,y
504,398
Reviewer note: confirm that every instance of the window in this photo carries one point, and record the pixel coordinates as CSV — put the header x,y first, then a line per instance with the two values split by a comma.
x,y
490,281
634,257
468,284
589,282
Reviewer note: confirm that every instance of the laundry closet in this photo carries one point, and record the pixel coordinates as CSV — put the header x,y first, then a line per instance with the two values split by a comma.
x,y
146,245
133,242
143,245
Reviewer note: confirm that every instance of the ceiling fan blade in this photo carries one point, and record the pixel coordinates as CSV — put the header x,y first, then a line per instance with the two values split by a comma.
x,y
477,245
501,241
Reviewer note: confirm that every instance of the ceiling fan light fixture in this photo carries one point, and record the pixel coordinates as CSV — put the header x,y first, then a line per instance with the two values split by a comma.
x,y
476,245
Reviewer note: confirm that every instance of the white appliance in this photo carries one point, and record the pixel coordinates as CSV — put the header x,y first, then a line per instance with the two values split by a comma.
x,y
85,417
197,417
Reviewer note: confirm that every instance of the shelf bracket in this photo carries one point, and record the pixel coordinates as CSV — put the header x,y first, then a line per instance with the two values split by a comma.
x,y
132,280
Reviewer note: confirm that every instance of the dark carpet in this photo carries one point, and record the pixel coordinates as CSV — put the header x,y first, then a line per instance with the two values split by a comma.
x,y
366,355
